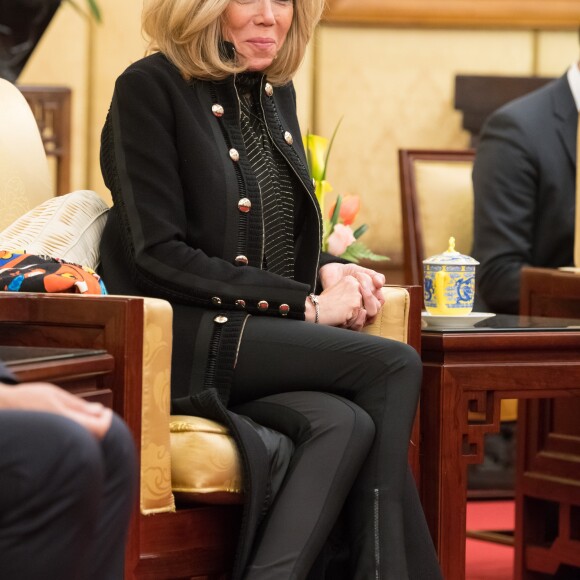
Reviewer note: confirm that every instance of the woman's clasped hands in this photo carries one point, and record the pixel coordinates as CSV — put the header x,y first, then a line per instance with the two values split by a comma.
x,y
351,296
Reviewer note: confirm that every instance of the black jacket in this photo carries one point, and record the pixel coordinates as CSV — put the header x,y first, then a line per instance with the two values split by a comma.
x,y
175,230
177,170
524,185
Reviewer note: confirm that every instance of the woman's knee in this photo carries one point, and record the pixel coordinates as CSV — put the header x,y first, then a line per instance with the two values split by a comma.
x,y
304,415
403,363
344,418
360,421
405,356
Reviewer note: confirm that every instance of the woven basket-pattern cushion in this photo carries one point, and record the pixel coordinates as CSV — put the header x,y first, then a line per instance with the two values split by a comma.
x,y
67,227
205,464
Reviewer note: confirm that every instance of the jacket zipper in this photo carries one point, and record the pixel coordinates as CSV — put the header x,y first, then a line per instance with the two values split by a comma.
x,y
376,517
240,339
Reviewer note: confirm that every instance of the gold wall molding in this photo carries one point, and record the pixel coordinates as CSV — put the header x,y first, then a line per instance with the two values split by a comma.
x,y
562,14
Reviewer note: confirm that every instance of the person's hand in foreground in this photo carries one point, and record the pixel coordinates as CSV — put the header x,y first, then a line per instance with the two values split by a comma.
x,y
51,399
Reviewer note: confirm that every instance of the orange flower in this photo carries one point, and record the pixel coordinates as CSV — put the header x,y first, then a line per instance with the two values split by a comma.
x,y
348,209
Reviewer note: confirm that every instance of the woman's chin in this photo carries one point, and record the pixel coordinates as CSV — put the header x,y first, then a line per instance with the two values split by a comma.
x,y
259,64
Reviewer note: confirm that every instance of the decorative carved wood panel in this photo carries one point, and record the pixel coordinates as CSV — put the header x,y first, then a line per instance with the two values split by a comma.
x,y
51,107
456,13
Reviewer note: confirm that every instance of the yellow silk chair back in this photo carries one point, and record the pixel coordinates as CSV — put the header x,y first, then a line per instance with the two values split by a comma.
x,y
436,203
24,173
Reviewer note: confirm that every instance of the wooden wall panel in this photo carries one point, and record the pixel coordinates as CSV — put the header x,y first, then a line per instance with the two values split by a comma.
x,y
460,13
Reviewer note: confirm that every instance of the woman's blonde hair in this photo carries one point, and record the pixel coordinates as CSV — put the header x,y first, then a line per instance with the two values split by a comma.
x,y
188,32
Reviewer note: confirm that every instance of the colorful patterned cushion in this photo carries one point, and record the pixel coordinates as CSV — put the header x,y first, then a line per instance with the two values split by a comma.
x,y
21,272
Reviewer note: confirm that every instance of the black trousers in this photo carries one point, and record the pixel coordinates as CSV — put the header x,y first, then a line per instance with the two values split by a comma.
x,y
363,376
65,498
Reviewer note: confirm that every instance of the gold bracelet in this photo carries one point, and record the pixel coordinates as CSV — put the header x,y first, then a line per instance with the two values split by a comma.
x,y
316,303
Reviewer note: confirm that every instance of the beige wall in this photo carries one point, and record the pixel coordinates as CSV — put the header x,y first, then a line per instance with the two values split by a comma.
x,y
88,58
393,87
61,59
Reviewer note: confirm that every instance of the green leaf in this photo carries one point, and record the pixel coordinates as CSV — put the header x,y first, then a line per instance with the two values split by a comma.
x,y
358,251
336,212
360,231
94,9
330,148
326,230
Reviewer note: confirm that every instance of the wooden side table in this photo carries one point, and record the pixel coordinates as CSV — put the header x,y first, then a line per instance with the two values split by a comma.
x,y
79,371
548,468
472,369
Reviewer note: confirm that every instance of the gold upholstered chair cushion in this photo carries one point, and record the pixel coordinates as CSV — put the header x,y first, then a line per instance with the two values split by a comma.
x,y
205,463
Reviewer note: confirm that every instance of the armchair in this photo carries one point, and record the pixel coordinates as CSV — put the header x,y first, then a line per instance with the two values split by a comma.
x,y
196,540
191,542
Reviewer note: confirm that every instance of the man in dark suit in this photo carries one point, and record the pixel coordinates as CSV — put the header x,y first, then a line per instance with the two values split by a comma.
x,y
524,181
67,482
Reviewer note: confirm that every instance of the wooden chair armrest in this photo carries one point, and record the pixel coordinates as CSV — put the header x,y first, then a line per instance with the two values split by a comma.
x,y
137,332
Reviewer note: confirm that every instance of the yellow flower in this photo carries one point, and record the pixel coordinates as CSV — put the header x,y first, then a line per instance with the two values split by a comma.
x,y
316,153
338,238
322,188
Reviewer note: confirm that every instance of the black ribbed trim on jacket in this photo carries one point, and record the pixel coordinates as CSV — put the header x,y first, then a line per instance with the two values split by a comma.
x,y
251,238
222,352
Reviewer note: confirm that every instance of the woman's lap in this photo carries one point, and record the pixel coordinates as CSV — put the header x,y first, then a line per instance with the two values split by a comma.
x,y
286,355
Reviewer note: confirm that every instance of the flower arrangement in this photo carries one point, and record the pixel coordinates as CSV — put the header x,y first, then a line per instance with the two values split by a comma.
x,y
338,239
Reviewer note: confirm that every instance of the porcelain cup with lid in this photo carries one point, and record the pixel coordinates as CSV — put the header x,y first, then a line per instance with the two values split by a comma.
x,y
449,282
